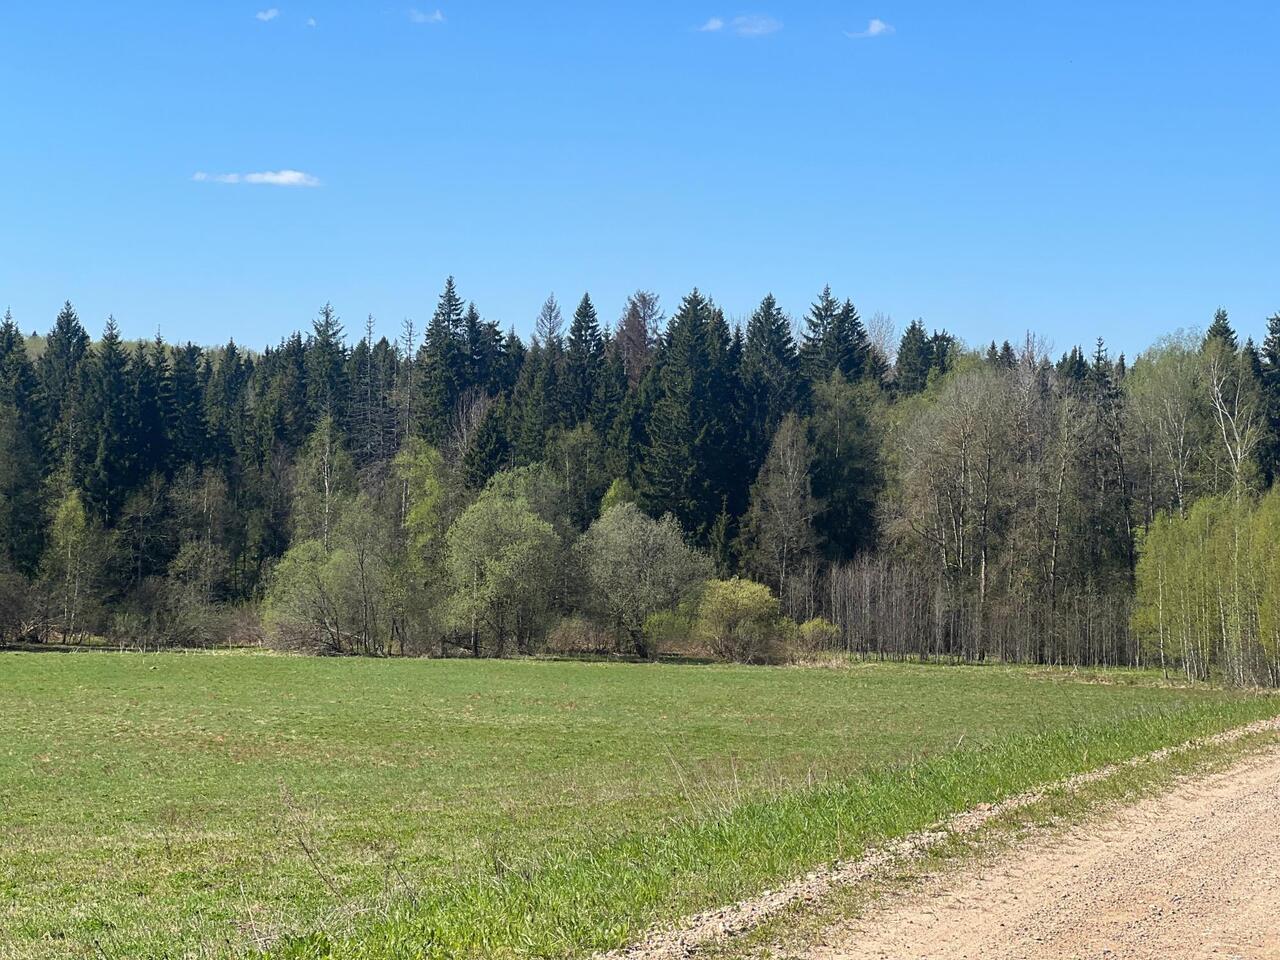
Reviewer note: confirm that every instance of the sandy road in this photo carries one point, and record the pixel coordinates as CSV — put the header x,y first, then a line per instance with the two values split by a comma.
x,y
1191,874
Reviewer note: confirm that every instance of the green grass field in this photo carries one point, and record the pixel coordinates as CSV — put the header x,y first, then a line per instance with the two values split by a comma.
x,y
176,805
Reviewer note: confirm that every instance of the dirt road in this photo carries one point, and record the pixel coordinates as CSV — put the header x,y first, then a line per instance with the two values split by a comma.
x,y
1188,875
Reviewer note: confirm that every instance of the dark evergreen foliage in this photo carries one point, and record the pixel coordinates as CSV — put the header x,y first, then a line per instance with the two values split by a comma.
x,y
198,468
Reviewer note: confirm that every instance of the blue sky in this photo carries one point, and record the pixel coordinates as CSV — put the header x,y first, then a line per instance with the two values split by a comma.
x,y
1080,169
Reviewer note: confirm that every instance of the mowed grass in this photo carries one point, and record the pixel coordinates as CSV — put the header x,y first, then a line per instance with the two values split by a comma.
x,y
178,805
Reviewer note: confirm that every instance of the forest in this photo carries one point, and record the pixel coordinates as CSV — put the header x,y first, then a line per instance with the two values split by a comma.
x,y
751,490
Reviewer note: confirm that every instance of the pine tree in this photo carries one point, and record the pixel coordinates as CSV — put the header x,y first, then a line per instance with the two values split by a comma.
x,y
1073,367
1269,382
110,473
442,361
815,350
848,345
491,451
149,376
688,464
847,471
583,360
915,360
62,376
20,467
483,342
549,323
326,365
188,431
1220,331
224,395
770,375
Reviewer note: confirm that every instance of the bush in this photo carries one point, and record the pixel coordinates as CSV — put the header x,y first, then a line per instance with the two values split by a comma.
x,y
741,620
817,635
667,631
579,635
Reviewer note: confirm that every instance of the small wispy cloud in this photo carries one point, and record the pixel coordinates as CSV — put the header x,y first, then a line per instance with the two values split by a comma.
x,y
273,178
266,16
875,28
418,16
712,25
755,25
311,21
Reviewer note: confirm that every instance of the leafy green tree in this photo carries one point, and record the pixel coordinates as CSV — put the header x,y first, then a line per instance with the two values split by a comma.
x,y
620,491
741,621
325,484
76,553
345,598
636,566
499,556
577,457
779,534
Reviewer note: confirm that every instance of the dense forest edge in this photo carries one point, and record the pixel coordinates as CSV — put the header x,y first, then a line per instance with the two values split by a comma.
x,y
754,491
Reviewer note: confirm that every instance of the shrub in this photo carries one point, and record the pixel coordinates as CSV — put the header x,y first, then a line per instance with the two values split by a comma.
x,y
817,635
667,631
741,620
579,635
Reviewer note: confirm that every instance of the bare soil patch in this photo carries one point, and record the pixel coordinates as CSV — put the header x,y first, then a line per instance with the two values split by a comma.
x,y
1193,874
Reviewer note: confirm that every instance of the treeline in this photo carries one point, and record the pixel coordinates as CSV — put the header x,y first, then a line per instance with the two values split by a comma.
x,y
466,491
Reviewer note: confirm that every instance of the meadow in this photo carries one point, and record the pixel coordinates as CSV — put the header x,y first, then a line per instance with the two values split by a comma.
x,y
212,805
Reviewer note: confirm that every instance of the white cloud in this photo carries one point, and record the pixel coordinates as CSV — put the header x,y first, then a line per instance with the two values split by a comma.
x,y
875,28
311,21
755,25
274,178
266,16
712,25
417,16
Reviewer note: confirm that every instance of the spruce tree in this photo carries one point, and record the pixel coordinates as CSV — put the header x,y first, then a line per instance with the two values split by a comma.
x,y
20,462
442,361
690,461
110,472
815,349
915,360
148,376
62,376
848,345
326,364
1220,331
188,430
583,360
770,374
1269,383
